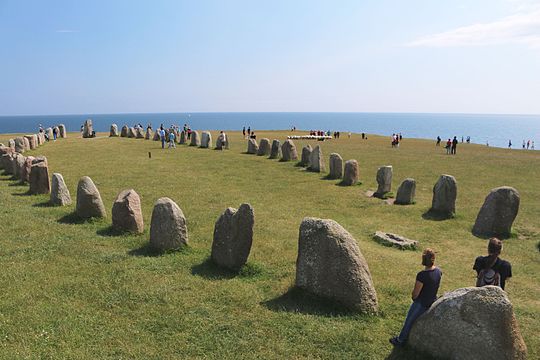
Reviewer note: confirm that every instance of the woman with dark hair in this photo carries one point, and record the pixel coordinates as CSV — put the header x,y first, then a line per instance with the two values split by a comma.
x,y
492,270
423,295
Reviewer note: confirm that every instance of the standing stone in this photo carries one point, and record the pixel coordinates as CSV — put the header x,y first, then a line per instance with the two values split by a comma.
x,y
206,139
89,203
316,160
39,179
182,140
36,140
27,169
233,236
19,145
275,152
168,229
330,265
470,323
306,153
288,151
39,139
7,160
26,143
50,135
384,181
149,134
222,141
336,166
139,132
11,144
498,213
252,146
113,131
32,143
88,129
60,195
62,131
264,147
18,165
132,133
406,192
127,213
195,139
57,129
157,136
444,196
125,131
350,174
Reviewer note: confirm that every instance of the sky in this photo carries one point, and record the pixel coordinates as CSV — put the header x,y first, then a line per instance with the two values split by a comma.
x,y
450,56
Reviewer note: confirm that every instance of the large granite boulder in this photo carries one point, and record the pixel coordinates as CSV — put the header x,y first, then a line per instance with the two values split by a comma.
x,y
60,195
330,265
406,192
50,135
264,147
18,165
139,132
113,132
89,203
195,141
384,181
11,144
132,133
125,131
288,151
351,173
470,323
275,152
316,160
62,132
336,166
127,213
306,153
7,163
32,143
252,146
26,169
26,143
233,236
168,228
444,196
498,213
206,139
39,179
19,145
88,129
149,134
222,141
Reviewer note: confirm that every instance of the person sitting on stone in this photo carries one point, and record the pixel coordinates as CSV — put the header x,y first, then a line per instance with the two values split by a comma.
x,y
423,295
491,270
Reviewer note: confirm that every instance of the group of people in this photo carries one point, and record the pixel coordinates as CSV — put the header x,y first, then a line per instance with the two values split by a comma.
x,y
490,270
250,133
46,134
528,145
396,139
451,144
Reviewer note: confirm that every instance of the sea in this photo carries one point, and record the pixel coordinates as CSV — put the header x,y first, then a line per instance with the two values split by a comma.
x,y
495,130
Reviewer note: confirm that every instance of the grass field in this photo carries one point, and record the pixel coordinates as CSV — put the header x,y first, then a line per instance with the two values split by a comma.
x,y
72,289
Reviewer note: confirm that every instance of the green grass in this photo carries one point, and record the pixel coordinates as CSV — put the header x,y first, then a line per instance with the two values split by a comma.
x,y
76,290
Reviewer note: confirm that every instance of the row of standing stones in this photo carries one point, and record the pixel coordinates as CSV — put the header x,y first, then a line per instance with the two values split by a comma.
x,y
329,263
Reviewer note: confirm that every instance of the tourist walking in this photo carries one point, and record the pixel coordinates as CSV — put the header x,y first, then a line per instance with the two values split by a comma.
x,y
492,270
454,145
162,137
55,134
172,137
448,147
509,144
423,295
438,141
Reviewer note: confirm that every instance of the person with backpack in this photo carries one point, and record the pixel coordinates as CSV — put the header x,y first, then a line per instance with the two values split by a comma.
x,y
423,295
492,270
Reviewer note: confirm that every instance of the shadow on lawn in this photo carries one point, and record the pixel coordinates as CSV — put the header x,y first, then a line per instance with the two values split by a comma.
x,y
71,218
300,301
43,204
436,215
209,270
110,231
146,251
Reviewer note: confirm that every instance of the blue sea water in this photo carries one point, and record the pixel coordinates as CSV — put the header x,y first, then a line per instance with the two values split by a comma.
x,y
497,130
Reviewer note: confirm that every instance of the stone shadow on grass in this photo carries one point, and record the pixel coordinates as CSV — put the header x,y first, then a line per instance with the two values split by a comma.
x,y
147,251
26,193
407,353
436,215
111,231
300,301
43,204
211,271
342,183
71,218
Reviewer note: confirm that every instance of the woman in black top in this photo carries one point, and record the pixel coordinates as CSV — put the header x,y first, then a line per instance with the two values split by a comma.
x,y
423,295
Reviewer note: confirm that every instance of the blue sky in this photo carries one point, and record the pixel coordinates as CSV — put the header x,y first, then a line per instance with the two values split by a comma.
x,y
70,57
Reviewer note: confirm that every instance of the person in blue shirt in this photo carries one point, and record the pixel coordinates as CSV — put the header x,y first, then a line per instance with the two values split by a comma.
x,y
423,295
171,139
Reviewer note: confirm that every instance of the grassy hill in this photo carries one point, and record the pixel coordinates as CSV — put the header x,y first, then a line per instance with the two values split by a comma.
x,y
75,290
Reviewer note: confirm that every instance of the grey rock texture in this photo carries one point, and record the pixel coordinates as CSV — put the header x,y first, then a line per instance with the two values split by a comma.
x,y
127,213
62,132
89,203
195,141
32,143
222,141
384,180
60,195
275,152
288,151
87,129
113,130
182,139
264,147
406,192
132,133
336,166
498,213
168,228
206,139
19,145
252,146
444,196
39,179
351,173
306,153
395,240
125,131
149,134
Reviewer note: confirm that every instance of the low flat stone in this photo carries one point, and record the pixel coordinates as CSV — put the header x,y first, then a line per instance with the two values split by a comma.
x,y
395,240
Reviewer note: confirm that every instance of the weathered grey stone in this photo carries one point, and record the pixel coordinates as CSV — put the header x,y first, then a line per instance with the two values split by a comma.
x,y
62,131
168,229
316,160
222,141
306,153
233,236
351,173
156,135
470,323
330,264
336,166
206,139
18,165
39,179
32,143
252,146
444,196
406,192
384,181
395,240
41,138
195,141
264,147
149,134
127,213
182,139
125,131
60,195
132,133
288,151
49,132
57,130
113,132
89,203
7,163
139,132
498,213
275,153
19,145
88,129
11,144
26,169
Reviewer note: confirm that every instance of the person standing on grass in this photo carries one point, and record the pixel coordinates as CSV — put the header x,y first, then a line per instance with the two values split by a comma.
x,y
448,146
423,295
244,132
492,270
509,144
162,137
438,141
454,145
54,133
172,137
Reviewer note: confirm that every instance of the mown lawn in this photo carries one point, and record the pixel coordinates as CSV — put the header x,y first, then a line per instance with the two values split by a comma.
x,y
73,290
